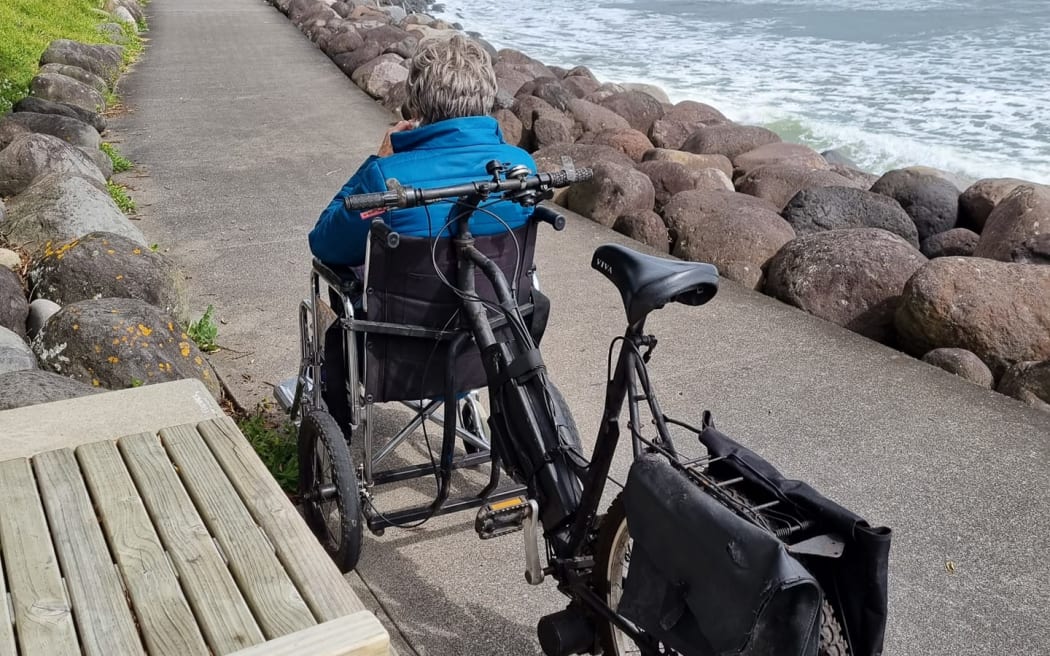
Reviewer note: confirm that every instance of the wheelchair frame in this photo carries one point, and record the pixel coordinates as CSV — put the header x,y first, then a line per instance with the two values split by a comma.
x,y
345,284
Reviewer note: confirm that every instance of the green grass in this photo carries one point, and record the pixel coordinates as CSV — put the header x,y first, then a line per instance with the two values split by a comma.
x,y
28,26
203,331
119,194
120,163
276,443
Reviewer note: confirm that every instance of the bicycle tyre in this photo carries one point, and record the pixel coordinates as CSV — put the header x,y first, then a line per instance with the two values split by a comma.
x,y
610,548
324,459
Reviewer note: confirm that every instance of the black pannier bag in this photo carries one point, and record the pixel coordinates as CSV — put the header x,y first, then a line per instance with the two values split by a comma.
x,y
706,582
856,581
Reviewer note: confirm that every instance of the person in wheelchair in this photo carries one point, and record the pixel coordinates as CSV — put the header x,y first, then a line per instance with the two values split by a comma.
x,y
450,139
451,92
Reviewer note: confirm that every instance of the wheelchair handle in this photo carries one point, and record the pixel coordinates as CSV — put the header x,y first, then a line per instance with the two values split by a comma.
x,y
406,196
547,215
383,233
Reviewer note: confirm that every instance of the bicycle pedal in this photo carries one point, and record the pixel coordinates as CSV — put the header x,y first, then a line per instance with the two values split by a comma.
x,y
501,517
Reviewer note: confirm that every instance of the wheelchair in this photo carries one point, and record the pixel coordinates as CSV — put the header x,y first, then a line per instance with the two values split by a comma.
x,y
392,332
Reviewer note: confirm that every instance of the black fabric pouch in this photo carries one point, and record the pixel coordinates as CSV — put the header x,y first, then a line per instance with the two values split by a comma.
x,y
707,582
856,582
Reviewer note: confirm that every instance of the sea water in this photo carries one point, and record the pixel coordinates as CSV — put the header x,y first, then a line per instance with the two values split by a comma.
x,y
961,85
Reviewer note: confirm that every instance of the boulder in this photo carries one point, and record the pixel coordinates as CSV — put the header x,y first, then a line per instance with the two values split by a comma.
x,y
645,226
590,117
113,32
73,131
836,208
958,181
957,241
552,158
378,76
604,91
580,71
509,58
511,127
651,90
9,259
33,386
550,91
405,47
962,363
670,178
630,142
1028,382
735,232
104,265
122,15
40,311
780,153
9,132
580,86
550,128
860,179
1033,250
77,73
119,342
640,109
931,201
998,310
60,88
101,160
346,41
348,62
131,6
980,198
385,35
852,278
681,121
528,107
59,207
14,308
690,160
837,157
779,184
41,106
32,155
1016,223
614,190
15,354
103,61
728,139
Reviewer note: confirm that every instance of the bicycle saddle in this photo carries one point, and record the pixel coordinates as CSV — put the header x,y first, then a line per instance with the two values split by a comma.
x,y
647,283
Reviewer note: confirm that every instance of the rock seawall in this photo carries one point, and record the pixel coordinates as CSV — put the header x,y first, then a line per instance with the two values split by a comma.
x,y
85,303
859,249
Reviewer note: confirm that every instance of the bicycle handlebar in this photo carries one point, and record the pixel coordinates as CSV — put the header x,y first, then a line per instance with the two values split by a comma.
x,y
403,197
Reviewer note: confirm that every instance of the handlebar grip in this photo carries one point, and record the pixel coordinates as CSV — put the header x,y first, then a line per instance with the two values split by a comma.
x,y
547,215
370,201
564,178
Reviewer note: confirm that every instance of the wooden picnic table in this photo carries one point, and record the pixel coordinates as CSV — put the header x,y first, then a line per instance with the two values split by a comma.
x,y
174,542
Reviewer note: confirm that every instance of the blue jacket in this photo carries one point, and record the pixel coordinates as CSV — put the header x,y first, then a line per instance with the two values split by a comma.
x,y
444,153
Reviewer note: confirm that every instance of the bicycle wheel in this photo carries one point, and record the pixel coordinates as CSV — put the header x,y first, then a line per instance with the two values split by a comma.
x,y
328,487
611,561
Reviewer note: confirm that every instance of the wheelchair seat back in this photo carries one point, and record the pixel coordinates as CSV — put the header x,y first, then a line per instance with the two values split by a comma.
x,y
404,288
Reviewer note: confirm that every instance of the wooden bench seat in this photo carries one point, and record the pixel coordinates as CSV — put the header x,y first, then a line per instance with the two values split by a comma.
x,y
174,542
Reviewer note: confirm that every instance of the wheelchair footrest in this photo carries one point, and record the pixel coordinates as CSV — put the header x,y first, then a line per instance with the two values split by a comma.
x,y
498,518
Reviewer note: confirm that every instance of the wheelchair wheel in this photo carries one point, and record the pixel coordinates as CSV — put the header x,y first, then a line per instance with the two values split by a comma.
x,y
328,488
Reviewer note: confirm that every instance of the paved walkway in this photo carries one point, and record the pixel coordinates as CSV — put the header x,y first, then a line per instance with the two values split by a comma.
x,y
246,130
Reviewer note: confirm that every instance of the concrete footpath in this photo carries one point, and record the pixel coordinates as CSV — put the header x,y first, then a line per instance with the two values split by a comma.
x,y
244,131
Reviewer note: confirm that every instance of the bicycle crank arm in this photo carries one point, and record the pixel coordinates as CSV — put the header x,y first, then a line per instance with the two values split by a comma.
x,y
510,515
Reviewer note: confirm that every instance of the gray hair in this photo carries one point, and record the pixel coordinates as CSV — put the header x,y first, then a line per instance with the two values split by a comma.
x,y
450,78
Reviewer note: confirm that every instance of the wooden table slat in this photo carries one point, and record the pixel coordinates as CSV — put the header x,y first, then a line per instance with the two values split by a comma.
x,y
43,617
164,616
101,613
220,609
274,599
359,634
319,580
7,631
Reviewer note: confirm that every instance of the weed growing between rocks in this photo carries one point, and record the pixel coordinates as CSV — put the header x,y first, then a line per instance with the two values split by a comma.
x,y
203,331
120,163
274,438
119,194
